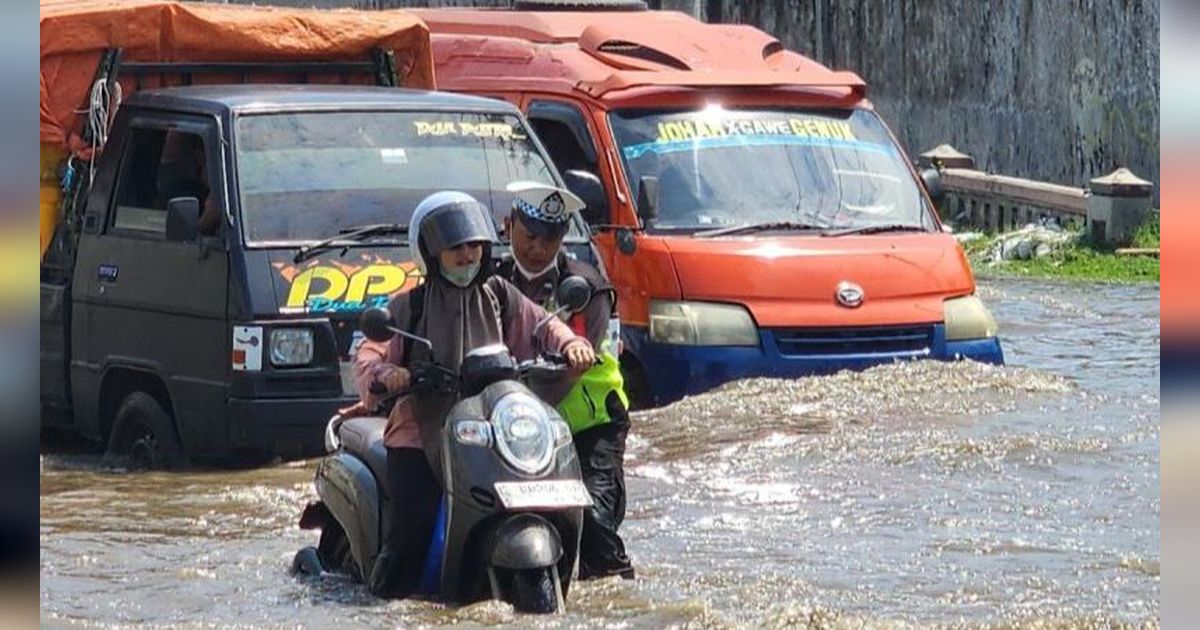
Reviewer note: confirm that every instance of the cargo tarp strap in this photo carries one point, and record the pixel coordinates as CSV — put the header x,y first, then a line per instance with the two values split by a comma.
x,y
75,185
106,71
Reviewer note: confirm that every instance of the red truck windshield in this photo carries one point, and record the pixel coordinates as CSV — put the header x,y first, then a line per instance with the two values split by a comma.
x,y
718,167
307,176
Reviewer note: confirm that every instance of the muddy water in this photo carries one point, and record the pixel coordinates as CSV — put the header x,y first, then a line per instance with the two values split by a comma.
x,y
911,495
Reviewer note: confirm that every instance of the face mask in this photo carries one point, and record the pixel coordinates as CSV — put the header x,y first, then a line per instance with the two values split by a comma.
x,y
461,276
530,275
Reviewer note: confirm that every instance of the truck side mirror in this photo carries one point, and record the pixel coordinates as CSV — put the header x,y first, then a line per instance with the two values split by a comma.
x,y
931,178
647,198
183,219
587,187
376,324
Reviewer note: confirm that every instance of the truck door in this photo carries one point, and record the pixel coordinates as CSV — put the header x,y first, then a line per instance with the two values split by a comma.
x,y
153,309
563,130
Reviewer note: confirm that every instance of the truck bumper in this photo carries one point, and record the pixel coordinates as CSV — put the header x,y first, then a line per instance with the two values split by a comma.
x,y
673,372
290,428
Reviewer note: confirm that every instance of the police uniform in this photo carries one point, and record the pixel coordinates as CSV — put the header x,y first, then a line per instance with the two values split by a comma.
x,y
596,407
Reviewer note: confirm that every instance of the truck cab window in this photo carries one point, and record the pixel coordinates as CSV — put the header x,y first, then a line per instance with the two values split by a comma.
x,y
562,145
160,165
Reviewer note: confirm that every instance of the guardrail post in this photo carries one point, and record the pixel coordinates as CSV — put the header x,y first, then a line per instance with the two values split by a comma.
x,y
1117,205
946,156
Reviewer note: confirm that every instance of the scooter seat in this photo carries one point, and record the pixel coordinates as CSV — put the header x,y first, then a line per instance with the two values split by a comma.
x,y
364,438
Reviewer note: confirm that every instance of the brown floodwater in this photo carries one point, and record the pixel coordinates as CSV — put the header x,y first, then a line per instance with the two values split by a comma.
x,y
909,495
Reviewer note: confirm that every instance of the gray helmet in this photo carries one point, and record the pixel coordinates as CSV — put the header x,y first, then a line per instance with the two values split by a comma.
x,y
445,220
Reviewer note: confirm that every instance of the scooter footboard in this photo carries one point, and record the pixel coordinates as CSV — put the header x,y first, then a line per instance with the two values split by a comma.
x,y
351,493
524,541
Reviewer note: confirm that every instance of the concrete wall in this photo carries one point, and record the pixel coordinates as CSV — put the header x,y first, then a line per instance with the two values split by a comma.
x,y
1056,90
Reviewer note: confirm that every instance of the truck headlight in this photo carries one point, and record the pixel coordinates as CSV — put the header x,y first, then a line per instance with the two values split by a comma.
x,y
291,346
967,318
701,324
522,432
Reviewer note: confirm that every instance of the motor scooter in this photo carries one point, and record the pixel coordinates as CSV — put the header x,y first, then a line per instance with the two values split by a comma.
x,y
511,514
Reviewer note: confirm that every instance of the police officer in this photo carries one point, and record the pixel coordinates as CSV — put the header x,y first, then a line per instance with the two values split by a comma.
x,y
596,408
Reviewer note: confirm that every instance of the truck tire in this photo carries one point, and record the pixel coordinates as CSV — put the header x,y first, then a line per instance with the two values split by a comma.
x,y
579,5
144,435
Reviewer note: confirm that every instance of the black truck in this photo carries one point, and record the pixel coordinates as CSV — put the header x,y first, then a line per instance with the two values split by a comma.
x,y
203,305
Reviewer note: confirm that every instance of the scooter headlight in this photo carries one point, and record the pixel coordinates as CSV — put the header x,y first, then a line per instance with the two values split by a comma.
x,y
522,432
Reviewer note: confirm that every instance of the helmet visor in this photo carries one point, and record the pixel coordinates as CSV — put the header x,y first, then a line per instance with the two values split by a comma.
x,y
454,224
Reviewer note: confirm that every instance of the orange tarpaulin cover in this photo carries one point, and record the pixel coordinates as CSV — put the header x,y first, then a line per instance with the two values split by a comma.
x,y
75,33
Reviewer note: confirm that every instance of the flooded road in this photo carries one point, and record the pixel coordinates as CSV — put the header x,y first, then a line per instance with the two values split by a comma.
x,y
920,494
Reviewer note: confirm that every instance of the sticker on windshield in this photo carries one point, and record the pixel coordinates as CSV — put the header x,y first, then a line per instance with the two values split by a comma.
x,y
504,131
688,135
337,287
393,156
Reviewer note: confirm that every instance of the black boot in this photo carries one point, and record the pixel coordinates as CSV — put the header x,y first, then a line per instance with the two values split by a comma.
x,y
602,460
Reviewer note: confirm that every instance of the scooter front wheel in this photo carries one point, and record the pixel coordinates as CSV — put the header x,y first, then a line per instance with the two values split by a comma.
x,y
535,590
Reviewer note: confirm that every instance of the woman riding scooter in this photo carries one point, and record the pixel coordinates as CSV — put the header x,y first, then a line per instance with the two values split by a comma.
x,y
459,307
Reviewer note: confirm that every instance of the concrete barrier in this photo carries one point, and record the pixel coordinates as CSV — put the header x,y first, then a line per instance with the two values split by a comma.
x,y
1111,208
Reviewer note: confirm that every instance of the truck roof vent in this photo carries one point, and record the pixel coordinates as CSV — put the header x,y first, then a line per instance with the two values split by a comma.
x,y
638,51
579,5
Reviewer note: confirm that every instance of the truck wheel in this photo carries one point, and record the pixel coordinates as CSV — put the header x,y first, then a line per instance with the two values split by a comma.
x,y
579,5
143,434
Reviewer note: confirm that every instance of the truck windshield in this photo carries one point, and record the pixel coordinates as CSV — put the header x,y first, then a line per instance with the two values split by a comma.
x,y
306,176
718,168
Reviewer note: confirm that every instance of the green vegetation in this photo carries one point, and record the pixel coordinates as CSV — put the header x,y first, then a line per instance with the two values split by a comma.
x,y
1079,259
1147,233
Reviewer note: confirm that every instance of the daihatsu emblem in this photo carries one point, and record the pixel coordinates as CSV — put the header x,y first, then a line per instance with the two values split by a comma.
x,y
850,295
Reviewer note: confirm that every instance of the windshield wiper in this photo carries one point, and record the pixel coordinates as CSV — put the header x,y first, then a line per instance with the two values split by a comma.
x,y
874,229
758,227
349,234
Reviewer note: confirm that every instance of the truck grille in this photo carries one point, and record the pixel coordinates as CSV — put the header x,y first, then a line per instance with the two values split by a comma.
x,y
810,342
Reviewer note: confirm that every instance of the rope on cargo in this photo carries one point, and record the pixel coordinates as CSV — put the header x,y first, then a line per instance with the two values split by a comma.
x,y
101,106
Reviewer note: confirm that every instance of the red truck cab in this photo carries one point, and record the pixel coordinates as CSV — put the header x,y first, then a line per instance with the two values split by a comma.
x,y
756,215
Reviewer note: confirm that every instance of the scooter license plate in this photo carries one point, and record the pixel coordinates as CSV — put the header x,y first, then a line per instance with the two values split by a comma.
x,y
559,493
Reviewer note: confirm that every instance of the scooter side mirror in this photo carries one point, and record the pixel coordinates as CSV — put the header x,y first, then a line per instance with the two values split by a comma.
x,y
377,324
573,293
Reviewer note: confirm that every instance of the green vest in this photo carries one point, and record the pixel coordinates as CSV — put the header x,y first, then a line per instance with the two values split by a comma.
x,y
583,407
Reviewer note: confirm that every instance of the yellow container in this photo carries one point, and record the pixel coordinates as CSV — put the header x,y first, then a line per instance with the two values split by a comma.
x,y
49,193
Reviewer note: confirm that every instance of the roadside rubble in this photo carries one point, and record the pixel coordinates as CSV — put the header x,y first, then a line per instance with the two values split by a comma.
x,y
1031,241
